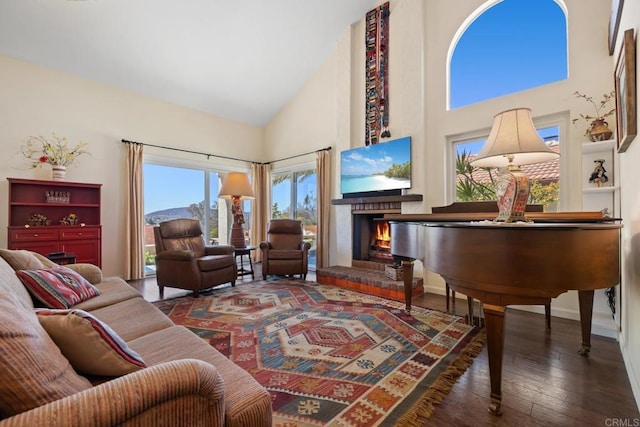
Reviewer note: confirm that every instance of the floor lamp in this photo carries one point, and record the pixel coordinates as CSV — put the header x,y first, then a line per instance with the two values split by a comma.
x,y
236,187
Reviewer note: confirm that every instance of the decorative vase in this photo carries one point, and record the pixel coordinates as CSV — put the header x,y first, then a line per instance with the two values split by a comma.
x,y
599,131
58,172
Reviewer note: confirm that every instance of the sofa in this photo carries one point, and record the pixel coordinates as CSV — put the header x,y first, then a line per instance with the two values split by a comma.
x,y
111,358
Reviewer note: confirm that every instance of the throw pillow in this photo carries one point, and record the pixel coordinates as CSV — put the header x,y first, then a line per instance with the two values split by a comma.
x,y
89,344
57,287
33,371
20,259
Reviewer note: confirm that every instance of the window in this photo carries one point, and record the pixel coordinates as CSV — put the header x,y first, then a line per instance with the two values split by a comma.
x,y
505,47
478,184
172,192
294,195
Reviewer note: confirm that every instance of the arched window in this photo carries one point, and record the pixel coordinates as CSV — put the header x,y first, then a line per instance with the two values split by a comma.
x,y
507,46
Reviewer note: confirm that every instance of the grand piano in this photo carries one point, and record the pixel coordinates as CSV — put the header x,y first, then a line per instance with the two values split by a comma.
x,y
504,264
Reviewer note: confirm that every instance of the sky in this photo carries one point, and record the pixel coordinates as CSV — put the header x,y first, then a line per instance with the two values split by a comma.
x,y
374,159
512,46
531,32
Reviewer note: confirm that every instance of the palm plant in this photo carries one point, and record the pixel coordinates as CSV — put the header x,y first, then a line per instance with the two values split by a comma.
x,y
468,189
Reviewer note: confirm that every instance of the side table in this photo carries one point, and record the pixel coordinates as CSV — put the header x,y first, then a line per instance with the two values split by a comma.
x,y
241,252
62,258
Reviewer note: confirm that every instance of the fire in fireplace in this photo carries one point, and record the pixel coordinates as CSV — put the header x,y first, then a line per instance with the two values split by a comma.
x,y
381,243
382,237
372,238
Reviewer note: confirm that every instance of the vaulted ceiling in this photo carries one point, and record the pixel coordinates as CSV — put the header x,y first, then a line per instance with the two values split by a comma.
x,y
238,59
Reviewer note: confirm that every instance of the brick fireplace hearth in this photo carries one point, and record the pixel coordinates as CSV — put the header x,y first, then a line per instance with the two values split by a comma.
x,y
371,248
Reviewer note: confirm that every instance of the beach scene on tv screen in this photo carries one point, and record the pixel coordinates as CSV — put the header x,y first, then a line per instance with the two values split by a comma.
x,y
378,167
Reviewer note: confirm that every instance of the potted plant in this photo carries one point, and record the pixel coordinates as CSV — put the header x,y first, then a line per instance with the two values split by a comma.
x,y
53,150
598,127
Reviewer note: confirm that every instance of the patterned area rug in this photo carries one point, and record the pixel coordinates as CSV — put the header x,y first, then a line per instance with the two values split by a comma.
x,y
332,356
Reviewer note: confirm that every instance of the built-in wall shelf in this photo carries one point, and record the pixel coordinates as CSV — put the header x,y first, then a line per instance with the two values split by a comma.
x,y
609,189
599,146
596,198
378,199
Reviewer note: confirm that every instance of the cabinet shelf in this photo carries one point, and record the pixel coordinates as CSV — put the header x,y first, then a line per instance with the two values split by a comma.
x,y
28,197
71,205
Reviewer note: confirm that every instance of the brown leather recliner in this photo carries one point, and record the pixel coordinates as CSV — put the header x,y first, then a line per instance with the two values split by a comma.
x,y
184,261
284,252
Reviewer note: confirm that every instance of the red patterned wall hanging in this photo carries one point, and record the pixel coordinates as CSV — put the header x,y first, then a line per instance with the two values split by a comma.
x,y
376,74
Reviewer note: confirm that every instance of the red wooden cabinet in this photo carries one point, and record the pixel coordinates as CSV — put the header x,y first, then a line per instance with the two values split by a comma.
x,y
39,213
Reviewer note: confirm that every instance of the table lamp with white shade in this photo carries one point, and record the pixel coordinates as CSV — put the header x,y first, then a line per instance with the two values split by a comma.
x,y
513,141
236,187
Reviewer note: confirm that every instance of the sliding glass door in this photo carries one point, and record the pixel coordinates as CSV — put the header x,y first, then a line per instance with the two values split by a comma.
x,y
294,195
172,192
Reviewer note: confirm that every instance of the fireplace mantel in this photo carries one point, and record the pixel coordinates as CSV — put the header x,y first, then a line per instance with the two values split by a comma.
x,y
377,204
378,199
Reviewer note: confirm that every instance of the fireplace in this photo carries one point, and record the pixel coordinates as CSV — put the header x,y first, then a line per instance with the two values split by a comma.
x,y
371,238
371,235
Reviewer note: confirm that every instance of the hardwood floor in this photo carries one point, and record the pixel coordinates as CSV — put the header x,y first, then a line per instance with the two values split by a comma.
x,y
544,381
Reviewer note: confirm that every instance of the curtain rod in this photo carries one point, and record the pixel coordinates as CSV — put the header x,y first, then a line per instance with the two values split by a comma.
x,y
297,155
125,141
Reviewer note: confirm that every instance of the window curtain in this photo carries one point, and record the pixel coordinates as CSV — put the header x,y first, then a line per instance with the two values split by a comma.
x,y
134,250
323,166
261,184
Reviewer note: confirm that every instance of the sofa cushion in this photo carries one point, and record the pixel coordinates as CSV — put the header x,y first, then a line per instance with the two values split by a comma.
x,y
57,287
21,259
90,345
33,370
10,284
246,401
133,318
112,291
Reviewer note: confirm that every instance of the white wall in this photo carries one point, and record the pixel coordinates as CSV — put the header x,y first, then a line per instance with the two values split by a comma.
x,y
37,100
630,209
420,37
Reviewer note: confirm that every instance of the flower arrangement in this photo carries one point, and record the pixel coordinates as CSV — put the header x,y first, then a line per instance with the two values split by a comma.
x,y
53,150
70,219
600,108
37,219
598,127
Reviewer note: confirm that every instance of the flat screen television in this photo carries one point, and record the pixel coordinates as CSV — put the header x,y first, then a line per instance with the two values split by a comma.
x,y
378,169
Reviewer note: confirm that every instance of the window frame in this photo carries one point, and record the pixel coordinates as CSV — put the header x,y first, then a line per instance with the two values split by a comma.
x,y
292,170
559,120
206,167
463,28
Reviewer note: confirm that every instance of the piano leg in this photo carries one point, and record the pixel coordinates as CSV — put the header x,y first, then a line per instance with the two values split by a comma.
x,y
585,298
407,278
494,322
547,315
448,292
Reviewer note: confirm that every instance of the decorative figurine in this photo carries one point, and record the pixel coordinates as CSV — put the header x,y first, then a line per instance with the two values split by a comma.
x,y
599,174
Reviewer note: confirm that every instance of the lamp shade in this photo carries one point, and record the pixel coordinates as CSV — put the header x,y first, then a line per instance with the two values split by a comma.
x,y
236,184
513,139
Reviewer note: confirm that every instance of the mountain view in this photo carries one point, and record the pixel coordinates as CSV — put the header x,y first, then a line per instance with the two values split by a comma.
x,y
167,214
